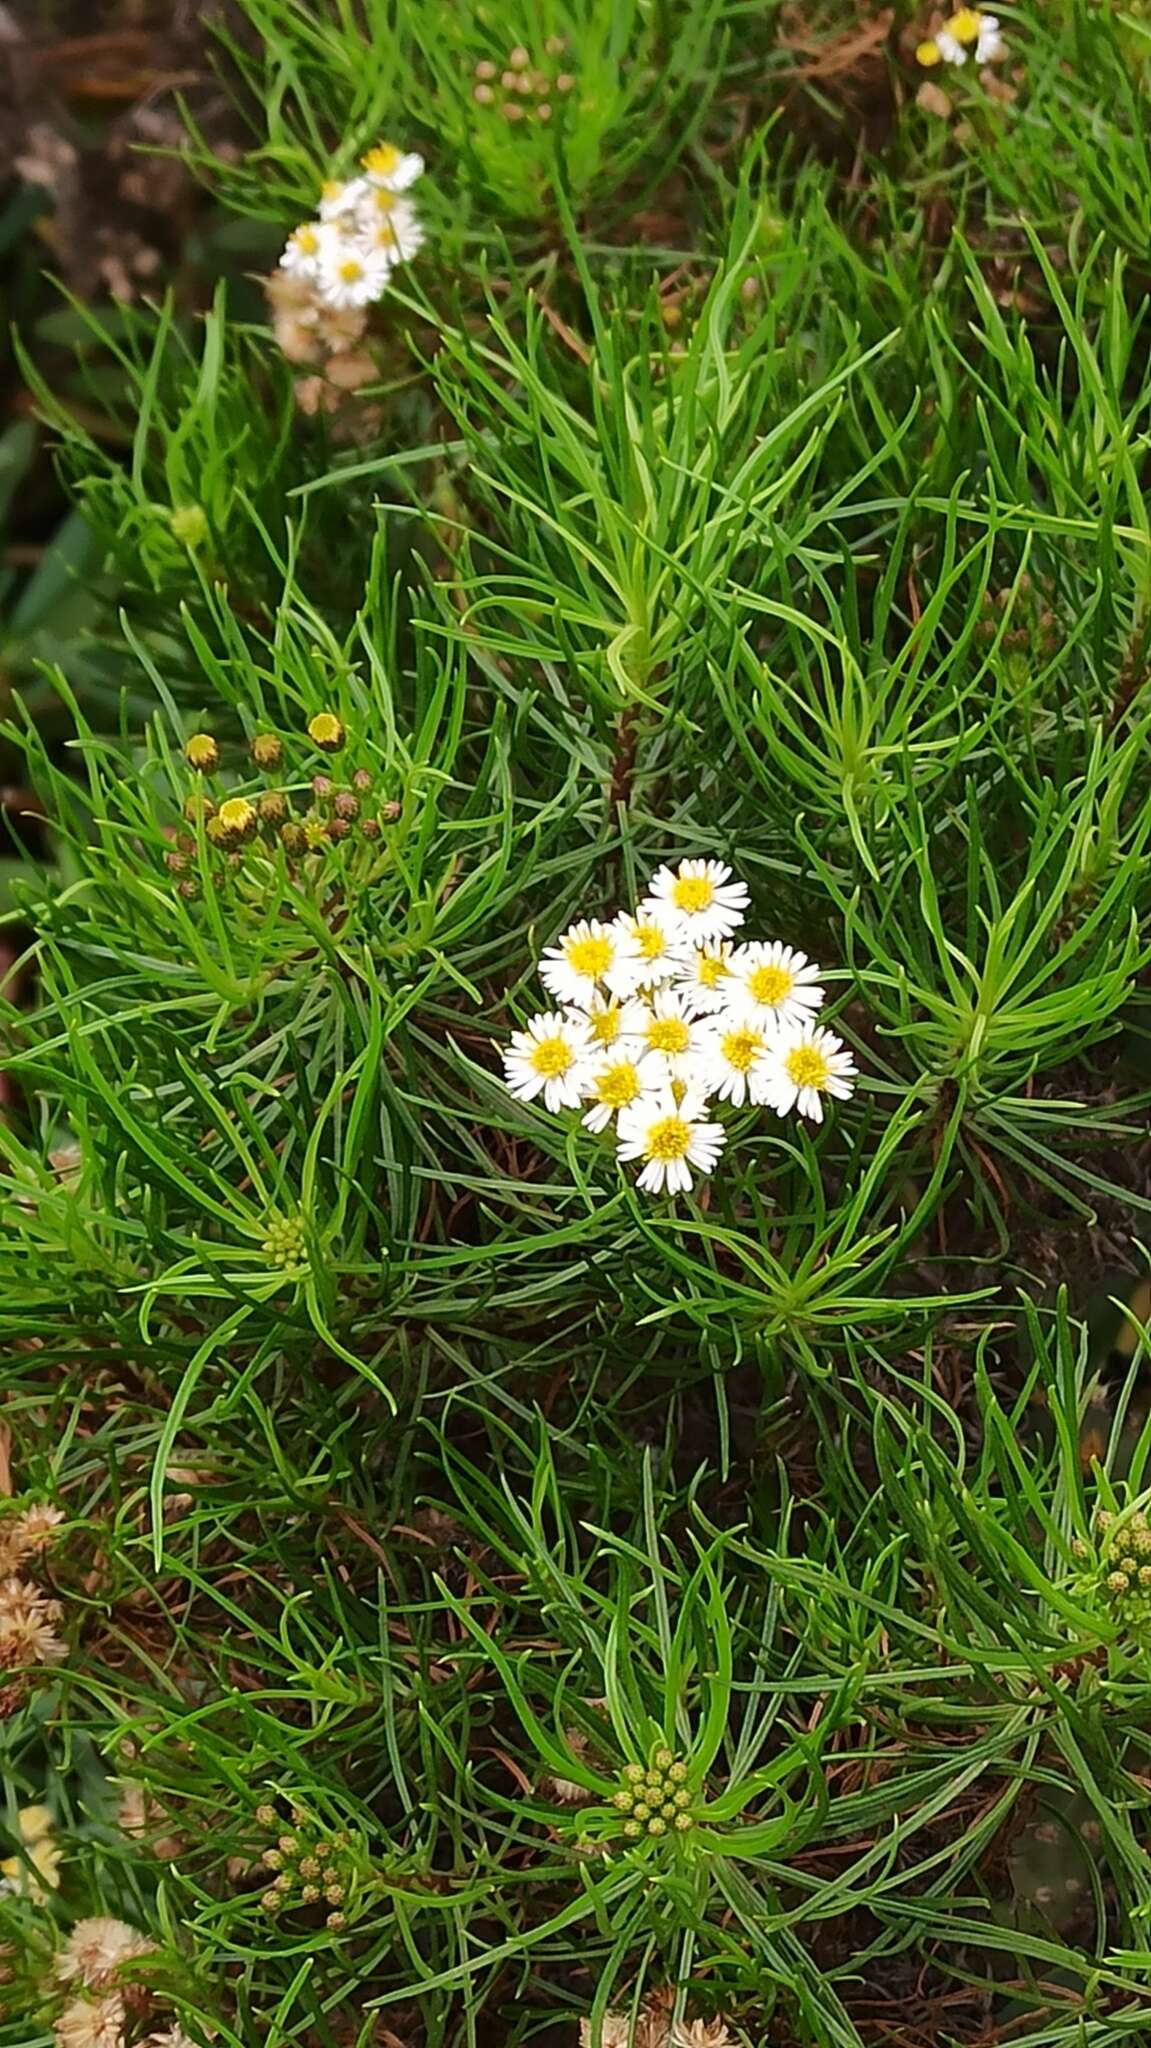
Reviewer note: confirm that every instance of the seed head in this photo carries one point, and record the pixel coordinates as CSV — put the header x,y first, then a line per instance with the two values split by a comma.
x,y
293,837
345,805
272,807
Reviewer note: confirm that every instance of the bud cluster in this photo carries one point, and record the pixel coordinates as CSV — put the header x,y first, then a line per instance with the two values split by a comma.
x,y
285,1245
1124,1567
307,819
520,88
655,1800
1033,637
310,1867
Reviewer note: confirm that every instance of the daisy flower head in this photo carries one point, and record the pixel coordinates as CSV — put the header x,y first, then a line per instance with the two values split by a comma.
x,y
614,1024
968,33
350,274
735,1065
394,169
803,1066
703,976
396,232
773,984
610,1083
674,1039
655,950
669,1133
302,250
582,958
547,1059
340,198
701,899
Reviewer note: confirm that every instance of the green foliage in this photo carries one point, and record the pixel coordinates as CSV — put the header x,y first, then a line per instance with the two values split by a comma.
x,y
493,1598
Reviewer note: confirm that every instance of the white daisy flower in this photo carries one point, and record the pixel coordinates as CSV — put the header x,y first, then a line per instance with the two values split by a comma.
x,y
968,33
805,1065
990,43
610,1085
773,984
701,900
351,275
395,232
302,250
392,168
585,955
656,951
614,1025
735,1066
674,1040
670,1137
702,977
340,198
547,1058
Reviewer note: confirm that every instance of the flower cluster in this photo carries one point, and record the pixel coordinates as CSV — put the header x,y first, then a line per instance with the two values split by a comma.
x,y
312,1867
366,227
99,1970
965,34
28,1617
659,1013
654,2027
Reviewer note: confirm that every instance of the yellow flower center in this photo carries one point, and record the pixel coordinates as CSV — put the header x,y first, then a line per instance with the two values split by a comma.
x,y
382,160
236,814
710,970
307,240
331,188
590,955
604,1025
769,985
965,25
668,1034
693,893
807,1067
669,1138
383,201
929,53
649,939
351,270
551,1057
618,1085
385,235
740,1049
